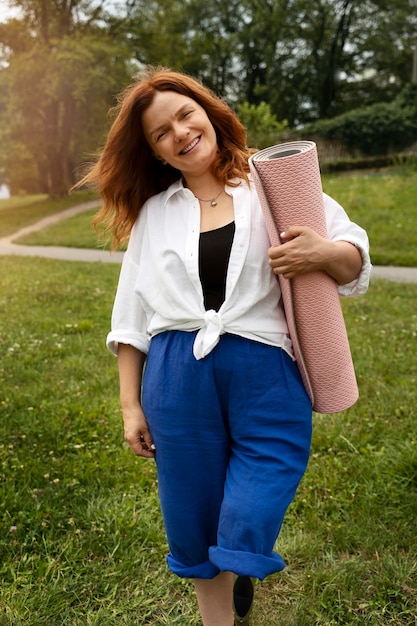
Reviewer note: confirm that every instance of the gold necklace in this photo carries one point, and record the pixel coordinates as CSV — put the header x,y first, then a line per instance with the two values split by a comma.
x,y
213,201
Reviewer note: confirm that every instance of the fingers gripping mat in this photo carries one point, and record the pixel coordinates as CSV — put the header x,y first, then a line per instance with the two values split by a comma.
x,y
287,179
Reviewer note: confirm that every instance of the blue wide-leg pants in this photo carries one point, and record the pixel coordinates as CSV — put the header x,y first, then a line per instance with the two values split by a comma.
x,y
232,434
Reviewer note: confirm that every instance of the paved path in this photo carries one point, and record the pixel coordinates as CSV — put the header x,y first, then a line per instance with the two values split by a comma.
x,y
7,247
53,252
397,274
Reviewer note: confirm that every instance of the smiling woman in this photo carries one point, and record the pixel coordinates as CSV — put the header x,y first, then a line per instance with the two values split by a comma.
x,y
129,150
220,406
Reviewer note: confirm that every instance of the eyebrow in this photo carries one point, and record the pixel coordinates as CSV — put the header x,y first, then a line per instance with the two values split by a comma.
x,y
176,114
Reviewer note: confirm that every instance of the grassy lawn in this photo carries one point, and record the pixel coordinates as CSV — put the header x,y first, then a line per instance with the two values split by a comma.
x,y
74,232
81,539
17,212
384,203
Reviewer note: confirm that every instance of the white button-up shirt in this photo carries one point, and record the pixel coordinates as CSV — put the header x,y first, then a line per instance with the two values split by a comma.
x,y
159,287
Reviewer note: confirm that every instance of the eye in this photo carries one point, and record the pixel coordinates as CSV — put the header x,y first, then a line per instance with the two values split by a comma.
x,y
160,135
187,113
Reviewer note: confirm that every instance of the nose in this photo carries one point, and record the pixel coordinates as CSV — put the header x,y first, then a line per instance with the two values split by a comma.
x,y
180,132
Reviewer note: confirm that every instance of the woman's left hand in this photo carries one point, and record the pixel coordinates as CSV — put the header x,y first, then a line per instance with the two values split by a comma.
x,y
302,250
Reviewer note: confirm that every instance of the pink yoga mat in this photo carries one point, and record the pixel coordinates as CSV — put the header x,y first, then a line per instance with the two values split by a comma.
x,y
287,179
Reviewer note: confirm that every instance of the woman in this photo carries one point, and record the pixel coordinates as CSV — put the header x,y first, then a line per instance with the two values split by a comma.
x,y
221,408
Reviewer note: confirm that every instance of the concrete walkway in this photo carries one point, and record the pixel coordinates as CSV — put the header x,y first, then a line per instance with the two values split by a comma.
x,y
397,274
8,247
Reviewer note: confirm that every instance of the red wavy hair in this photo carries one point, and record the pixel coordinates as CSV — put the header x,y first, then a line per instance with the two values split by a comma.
x,y
127,173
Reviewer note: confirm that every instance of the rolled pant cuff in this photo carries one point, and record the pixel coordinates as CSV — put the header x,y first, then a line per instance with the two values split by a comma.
x,y
202,570
246,563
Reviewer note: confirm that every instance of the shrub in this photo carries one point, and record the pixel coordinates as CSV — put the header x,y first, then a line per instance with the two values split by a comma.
x,y
261,125
378,129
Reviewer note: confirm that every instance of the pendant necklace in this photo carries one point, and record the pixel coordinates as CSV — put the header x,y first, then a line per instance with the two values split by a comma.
x,y
213,201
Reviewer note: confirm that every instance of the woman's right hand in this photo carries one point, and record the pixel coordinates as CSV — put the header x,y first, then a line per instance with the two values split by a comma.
x,y
136,432
131,362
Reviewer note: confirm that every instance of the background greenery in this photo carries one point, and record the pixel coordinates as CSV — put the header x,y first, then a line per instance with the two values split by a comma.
x,y
20,211
377,129
281,64
382,201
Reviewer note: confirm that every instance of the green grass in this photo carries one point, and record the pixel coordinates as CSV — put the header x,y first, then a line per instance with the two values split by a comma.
x,y
384,203
81,539
17,212
74,232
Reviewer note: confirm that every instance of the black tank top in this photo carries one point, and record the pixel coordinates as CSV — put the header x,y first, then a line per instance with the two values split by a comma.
x,y
214,253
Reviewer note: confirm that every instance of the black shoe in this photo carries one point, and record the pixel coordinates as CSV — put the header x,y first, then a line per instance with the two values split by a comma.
x,y
243,593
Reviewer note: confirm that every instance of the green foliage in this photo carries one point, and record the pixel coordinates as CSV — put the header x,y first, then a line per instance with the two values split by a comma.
x,y
82,540
262,126
62,63
309,60
374,130
198,37
59,78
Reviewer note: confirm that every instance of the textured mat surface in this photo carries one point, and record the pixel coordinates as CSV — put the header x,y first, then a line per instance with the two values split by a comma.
x,y
287,179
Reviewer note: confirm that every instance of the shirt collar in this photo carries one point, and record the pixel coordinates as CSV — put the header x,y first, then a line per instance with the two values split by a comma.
x,y
173,189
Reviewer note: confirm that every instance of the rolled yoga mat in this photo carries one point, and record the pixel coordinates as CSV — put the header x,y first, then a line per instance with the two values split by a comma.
x,y
288,182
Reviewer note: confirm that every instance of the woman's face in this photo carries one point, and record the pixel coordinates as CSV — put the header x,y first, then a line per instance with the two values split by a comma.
x,y
180,133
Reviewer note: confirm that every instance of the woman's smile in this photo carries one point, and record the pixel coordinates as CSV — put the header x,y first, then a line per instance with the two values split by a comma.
x,y
190,146
176,126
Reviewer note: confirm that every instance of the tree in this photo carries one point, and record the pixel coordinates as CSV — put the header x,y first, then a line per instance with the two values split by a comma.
x,y
60,72
196,36
62,62
309,60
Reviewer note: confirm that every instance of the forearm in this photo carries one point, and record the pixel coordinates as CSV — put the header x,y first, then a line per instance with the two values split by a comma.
x,y
136,430
344,262
303,250
130,362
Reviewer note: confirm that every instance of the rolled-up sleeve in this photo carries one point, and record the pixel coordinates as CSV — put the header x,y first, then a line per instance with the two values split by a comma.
x,y
129,321
341,228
